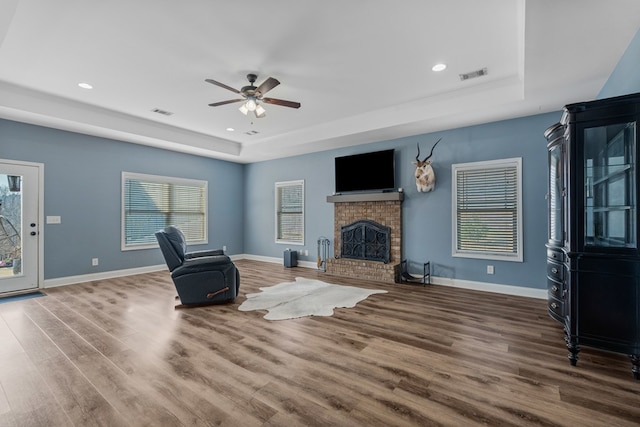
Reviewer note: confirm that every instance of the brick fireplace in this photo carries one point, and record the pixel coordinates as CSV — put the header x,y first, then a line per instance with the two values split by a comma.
x,y
382,208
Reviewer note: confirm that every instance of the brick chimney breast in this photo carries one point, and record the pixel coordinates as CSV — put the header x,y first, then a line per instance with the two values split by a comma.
x,y
387,213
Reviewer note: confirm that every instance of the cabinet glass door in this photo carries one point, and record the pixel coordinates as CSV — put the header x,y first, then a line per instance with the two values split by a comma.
x,y
556,189
610,193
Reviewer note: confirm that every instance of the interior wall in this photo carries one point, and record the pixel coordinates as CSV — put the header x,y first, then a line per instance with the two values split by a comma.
x,y
427,217
82,180
625,78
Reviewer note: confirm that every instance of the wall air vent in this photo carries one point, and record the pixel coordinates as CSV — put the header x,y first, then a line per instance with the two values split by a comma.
x,y
163,112
474,74
252,132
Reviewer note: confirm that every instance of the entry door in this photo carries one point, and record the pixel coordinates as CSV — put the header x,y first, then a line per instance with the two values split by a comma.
x,y
19,215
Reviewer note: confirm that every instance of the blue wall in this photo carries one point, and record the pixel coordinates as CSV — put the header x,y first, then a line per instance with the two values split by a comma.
x,y
83,179
625,78
83,185
317,171
427,232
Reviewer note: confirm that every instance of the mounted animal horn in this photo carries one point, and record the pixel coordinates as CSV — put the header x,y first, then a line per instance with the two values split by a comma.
x,y
425,177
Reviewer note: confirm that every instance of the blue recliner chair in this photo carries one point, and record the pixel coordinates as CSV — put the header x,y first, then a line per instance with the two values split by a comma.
x,y
200,277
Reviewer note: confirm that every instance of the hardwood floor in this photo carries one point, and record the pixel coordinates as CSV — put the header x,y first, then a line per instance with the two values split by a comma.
x,y
117,353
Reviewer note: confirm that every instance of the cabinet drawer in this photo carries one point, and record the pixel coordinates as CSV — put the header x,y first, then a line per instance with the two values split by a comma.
x,y
555,307
555,255
555,271
556,289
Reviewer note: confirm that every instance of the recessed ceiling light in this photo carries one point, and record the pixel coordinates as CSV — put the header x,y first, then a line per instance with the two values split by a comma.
x,y
439,67
85,85
230,129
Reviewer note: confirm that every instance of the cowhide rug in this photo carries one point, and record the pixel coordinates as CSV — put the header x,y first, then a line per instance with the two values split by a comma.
x,y
304,297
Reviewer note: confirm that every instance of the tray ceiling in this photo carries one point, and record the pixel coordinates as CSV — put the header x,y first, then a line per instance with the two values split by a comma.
x,y
360,69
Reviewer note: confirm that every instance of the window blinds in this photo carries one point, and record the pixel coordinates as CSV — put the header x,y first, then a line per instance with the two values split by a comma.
x,y
487,210
152,203
290,212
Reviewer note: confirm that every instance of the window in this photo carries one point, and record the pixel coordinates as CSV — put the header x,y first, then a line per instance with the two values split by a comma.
x,y
290,212
487,209
151,202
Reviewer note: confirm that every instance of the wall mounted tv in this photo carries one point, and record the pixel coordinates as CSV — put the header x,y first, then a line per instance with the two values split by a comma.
x,y
365,172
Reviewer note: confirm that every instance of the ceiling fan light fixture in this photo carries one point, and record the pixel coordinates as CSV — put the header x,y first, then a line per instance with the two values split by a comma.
x,y
252,96
251,104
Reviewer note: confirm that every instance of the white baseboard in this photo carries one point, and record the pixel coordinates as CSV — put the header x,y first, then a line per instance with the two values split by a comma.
x,y
521,291
274,260
70,280
443,281
261,258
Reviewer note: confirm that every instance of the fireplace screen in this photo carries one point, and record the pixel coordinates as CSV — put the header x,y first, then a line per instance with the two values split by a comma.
x,y
366,240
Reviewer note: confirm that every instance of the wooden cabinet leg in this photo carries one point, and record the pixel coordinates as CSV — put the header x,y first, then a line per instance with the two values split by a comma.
x,y
574,349
635,365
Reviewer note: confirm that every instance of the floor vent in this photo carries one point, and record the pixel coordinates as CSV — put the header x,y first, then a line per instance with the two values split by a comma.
x,y
474,74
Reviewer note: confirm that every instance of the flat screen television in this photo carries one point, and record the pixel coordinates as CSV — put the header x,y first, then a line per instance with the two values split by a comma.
x,y
365,172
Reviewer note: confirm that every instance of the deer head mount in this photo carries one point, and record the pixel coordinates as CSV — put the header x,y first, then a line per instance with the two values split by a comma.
x,y
425,177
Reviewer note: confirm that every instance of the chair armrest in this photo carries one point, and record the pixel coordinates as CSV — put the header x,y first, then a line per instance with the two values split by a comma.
x,y
206,252
203,264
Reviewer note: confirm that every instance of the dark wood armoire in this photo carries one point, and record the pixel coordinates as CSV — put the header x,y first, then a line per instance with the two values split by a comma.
x,y
593,258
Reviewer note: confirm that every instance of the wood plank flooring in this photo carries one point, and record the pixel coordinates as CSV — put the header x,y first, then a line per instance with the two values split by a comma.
x,y
117,353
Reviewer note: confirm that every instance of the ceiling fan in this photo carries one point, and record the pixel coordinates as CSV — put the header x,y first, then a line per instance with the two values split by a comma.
x,y
252,95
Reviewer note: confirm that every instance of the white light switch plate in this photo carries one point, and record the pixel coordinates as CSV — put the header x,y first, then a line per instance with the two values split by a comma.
x,y
53,220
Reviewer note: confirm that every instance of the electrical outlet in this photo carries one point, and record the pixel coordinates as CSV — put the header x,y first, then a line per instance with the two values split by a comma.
x,y
94,261
490,269
224,248
306,252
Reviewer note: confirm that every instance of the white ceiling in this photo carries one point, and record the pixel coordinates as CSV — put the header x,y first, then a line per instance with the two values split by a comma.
x,y
361,68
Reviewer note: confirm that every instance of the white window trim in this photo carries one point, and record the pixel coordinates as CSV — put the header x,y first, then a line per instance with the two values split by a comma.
x,y
161,179
515,161
286,184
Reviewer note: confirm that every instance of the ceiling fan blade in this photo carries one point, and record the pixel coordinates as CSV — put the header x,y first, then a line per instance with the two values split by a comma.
x,y
267,85
282,102
231,101
222,85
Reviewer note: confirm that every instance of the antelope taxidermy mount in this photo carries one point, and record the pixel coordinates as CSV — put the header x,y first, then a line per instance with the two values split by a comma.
x,y
425,177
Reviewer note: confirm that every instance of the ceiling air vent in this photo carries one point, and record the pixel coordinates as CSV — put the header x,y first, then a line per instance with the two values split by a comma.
x,y
252,132
163,112
474,74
